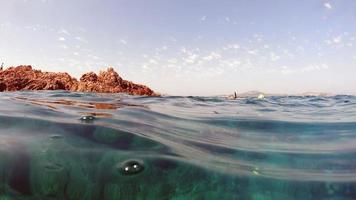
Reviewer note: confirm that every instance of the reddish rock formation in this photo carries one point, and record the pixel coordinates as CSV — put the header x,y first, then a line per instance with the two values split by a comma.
x,y
110,82
26,78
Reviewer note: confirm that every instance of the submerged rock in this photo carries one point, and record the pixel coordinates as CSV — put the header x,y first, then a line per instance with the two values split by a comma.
x,y
25,78
49,180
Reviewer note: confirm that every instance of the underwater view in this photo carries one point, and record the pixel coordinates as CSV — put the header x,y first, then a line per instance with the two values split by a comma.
x,y
72,145
177,100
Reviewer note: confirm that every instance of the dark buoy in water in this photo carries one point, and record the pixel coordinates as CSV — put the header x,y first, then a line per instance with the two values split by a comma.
x,y
131,167
87,118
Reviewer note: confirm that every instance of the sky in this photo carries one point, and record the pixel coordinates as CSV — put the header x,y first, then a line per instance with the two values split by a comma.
x,y
189,47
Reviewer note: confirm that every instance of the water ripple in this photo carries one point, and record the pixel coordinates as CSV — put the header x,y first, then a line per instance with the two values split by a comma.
x,y
287,138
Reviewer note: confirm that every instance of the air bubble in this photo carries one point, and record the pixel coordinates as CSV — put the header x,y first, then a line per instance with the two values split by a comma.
x,y
131,167
87,118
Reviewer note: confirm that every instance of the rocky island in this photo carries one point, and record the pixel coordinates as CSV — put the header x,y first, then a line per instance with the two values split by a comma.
x,y
25,78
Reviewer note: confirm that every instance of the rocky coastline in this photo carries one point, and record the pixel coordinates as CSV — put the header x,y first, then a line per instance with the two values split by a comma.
x,y
24,77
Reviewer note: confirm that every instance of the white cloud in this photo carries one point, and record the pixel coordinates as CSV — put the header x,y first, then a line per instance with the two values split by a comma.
x,y
5,25
153,61
33,28
337,39
253,52
233,63
274,57
122,41
327,5
235,46
231,46
62,39
80,39
212,56
172,61
63,46
309,68
287,70
63,31
161,50
203,18
94,57
191,58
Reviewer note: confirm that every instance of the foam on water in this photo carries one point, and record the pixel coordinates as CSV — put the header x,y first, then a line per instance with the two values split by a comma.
x,y
62,145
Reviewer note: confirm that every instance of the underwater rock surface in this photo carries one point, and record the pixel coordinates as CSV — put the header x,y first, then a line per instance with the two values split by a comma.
x,y
176,148
109,81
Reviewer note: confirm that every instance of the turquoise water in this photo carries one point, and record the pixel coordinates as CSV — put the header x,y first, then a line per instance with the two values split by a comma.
x,y
61,145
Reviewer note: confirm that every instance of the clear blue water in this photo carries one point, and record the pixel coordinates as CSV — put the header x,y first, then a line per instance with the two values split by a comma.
x,y
61,145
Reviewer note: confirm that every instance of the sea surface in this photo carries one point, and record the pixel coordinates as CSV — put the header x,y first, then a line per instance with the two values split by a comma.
x,y
62,145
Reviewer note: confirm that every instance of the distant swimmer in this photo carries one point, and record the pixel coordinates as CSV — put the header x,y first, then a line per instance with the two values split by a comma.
x,y
233,96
